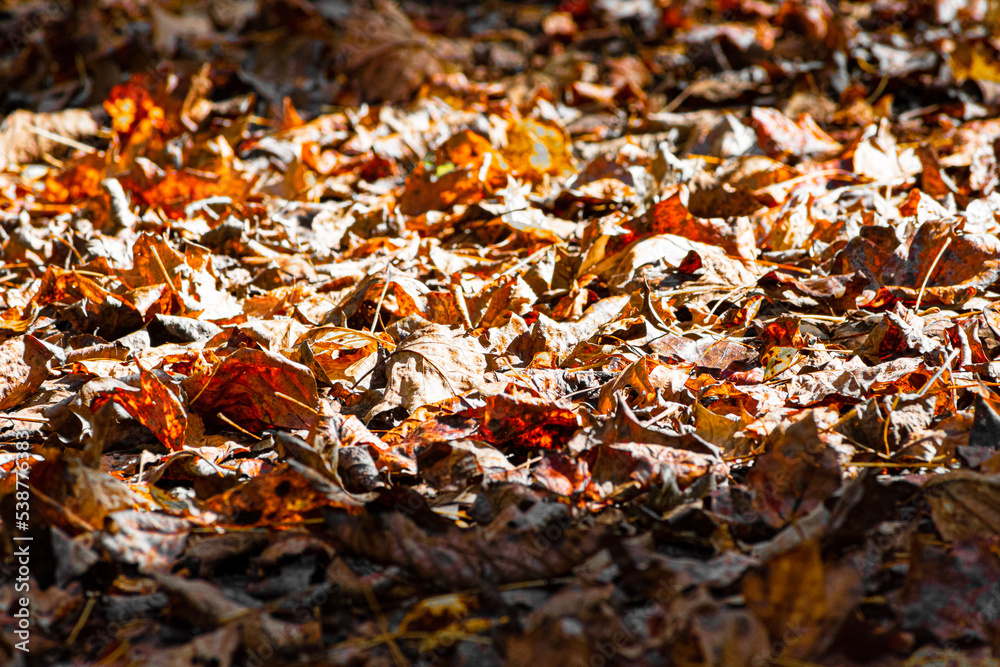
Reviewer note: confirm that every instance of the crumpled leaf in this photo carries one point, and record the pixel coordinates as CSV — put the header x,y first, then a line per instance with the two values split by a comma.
x,y
283,495
255,388
461,558
430,365
780,137
800,470
155,406
18,144
23,368
456,173
150,541
958,505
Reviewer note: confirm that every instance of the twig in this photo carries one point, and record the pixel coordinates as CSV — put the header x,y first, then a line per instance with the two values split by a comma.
x,y
33,420
112,657
58,138
296,402
526,260
888,464
458,294
676,102
383,624
159,262
82,621
923,286
378,306
235,425
940,371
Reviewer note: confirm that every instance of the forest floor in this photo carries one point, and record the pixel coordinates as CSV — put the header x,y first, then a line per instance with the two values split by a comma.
x,y
612,332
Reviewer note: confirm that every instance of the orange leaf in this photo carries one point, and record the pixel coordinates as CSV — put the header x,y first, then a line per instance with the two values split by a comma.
x,y
154,406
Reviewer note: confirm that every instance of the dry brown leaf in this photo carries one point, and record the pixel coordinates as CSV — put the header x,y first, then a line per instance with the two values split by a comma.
x,y
23,368
432,364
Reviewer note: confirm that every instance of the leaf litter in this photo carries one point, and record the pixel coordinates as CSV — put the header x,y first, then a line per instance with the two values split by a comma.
x,y
599,333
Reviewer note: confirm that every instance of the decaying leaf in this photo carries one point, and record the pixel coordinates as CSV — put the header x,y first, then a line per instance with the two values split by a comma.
x,y
22,369
593,332
256,388
432,364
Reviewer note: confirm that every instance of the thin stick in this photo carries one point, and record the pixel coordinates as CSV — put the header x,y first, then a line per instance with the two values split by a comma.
x,y
885,427
70,246
792,662
923,286
80,622
458,294
296,402
786,267
383,625
946,364
66,512
726,297
887,464
378,306
235,425
159,262
527,260
805,177
676,102
114,655
58,138
711,159
33,420
207,382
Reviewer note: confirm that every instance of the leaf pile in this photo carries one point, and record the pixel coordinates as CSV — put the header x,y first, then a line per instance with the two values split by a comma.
x,y
599,333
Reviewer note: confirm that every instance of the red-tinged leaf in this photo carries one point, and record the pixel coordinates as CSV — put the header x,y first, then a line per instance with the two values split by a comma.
x,y
797,474
651,466
256,389
946,587
80,181
784,332
155,406
781,137
522,420
561,474
671,216
284,495
451,176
